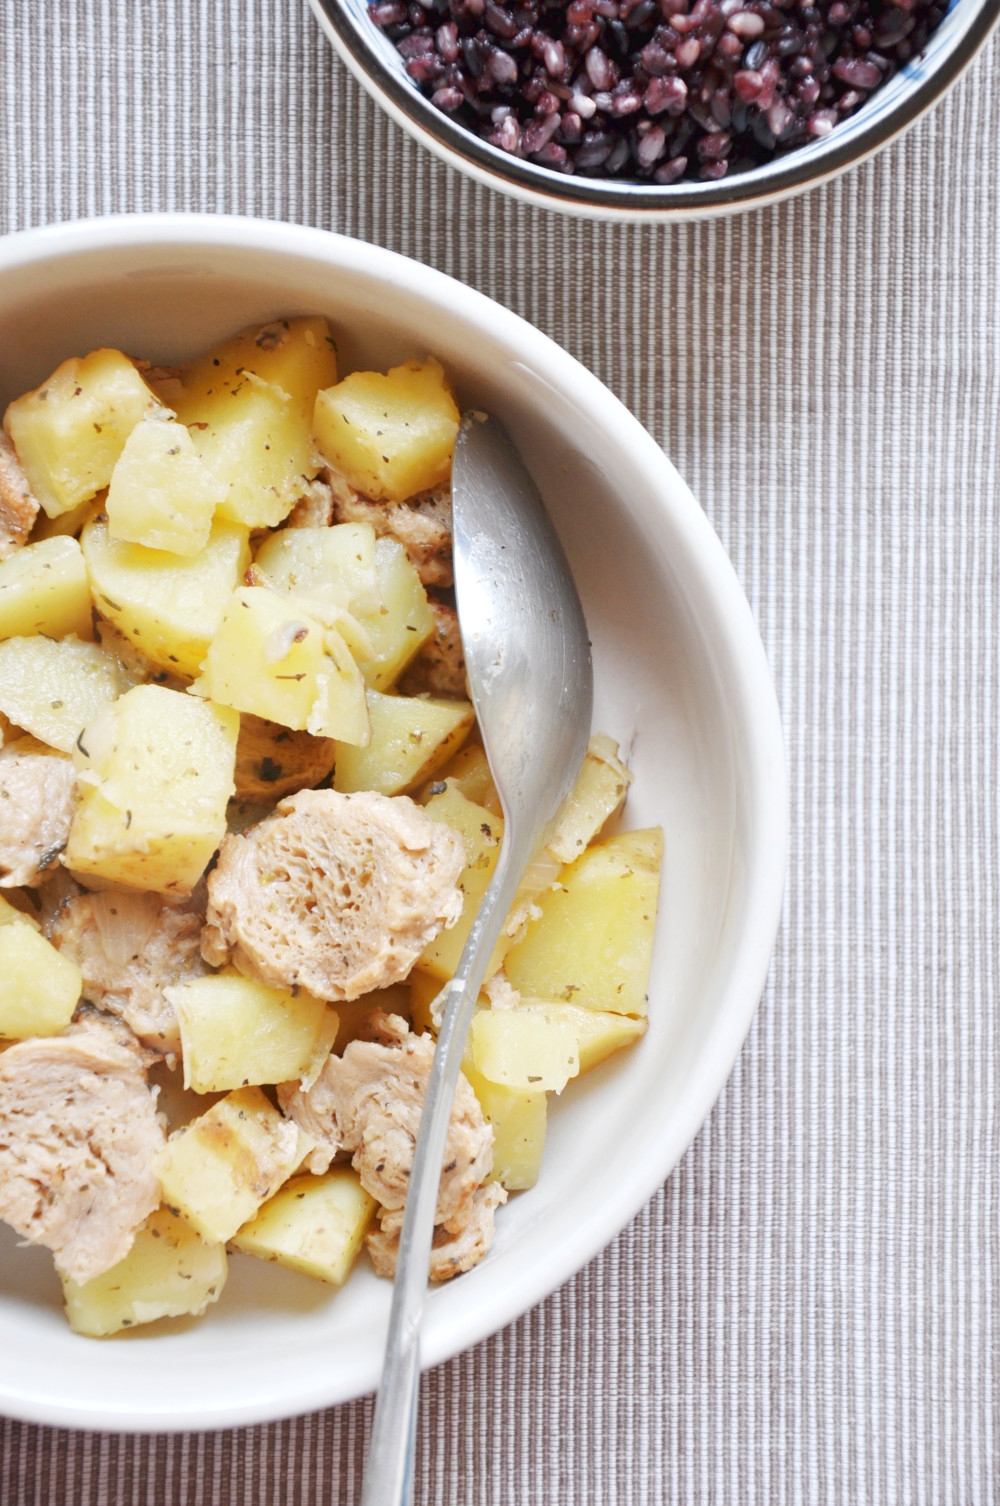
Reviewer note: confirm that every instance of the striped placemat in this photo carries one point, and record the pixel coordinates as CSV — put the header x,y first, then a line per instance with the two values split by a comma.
x,y
807,1312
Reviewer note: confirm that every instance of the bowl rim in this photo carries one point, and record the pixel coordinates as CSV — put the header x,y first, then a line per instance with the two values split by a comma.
x,y
878,122
750,692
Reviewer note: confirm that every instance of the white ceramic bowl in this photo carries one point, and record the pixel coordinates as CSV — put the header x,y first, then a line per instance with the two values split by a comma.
x,y
681,681
376,64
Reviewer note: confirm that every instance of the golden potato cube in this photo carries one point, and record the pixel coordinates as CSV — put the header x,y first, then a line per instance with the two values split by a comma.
x,y
482,833
255,439
161,495
156,774
218,1169
593,943
271,658
314,1224
273,761
39,987
54,688
297,355
168,606
400,627
69,432
524,1048
410,738
389,435
601,786
44,588
170,1272
599,1033
469,771
236,1032
518,1117
334,566
67,524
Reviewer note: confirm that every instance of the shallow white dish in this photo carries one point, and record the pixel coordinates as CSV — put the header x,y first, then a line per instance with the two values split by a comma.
x,y
681,681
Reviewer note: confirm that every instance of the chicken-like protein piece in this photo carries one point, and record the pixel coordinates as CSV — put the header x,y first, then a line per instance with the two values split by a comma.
x,y
130,948
453,1250
337,893
78,1136
37,799
368,1102
18,504
439,667
314,509
422,524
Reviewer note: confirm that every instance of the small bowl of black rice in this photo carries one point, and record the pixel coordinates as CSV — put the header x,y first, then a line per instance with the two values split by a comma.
x,y
640,108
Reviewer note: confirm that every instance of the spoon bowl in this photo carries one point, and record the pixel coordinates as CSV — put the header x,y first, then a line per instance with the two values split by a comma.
x,y
527,659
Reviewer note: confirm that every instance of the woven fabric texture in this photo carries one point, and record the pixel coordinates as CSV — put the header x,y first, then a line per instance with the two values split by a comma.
x,y
807,1313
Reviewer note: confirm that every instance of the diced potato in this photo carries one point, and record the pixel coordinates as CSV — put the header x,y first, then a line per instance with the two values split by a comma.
x,y
237,1032
314,1224
518,1117
271,658
601,786
273,761
524,1048
469,770
335,566
161,495
401,626
170,607
410,738
390,435
482,833
297,355
170,1272
255,439
39,987
156,774
218,1170
67,524
54,688
69,432
593,943
44,588
599,1033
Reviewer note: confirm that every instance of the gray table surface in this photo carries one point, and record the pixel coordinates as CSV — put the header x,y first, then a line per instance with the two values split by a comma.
x,y
807,1312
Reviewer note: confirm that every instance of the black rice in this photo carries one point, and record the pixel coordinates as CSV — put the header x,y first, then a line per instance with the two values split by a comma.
x,y
658,90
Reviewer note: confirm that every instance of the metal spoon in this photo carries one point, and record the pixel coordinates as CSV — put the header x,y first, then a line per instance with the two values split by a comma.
x,y
527,657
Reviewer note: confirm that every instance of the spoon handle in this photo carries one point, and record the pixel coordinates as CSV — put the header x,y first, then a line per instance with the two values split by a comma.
x,y
388,1479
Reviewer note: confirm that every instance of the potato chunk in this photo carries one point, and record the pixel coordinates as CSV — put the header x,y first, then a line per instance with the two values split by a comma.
x,y
411,737
524,1048
161,495
601,786
54,688
237,1032
389,435
297,355
220,1168
402,624
254,439
69,432
39,987
593,943
271,658
481,833
169,607
518,1117
156,774
44,588
170,1272
334,566
314,1225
